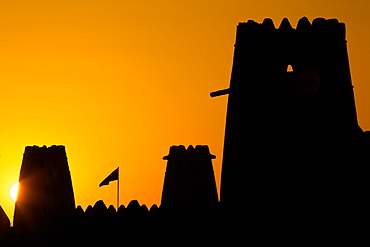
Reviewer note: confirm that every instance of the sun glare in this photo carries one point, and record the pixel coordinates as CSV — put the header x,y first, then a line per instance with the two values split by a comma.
x,y
14,191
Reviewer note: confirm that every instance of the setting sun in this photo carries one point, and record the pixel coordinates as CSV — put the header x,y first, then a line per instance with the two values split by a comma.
x,y
14,191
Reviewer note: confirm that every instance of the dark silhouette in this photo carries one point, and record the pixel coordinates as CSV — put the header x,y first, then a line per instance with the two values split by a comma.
x,y
100,223
45,199
111,177
189,180
4,223
293,147
189,192
294,168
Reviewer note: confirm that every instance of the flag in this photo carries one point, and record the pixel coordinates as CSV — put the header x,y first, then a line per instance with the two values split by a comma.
x,y
113,176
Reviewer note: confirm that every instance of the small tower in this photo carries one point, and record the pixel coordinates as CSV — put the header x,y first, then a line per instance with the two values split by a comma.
x,y
189,180
46,199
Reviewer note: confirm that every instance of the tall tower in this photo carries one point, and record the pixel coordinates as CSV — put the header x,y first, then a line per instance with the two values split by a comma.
x,y
45,200
287,132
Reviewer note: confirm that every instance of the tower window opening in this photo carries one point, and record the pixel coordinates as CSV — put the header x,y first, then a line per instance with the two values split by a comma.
x,y
289,68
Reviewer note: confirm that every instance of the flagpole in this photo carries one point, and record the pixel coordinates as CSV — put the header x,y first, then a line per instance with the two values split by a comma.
x,y
118,189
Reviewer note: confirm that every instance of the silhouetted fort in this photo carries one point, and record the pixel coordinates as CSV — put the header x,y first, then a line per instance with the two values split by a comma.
x,y
294,162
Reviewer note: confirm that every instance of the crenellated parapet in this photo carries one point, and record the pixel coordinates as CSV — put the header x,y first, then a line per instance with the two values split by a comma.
x,y
188,159
103,219
276,48
321,28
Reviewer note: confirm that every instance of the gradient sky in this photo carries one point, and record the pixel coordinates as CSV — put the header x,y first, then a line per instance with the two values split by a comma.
x,y
118,82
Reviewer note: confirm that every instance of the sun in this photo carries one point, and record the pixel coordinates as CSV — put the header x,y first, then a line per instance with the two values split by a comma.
x,y
14,191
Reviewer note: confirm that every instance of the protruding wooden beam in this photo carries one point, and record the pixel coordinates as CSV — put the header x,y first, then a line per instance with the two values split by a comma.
x,y
220,92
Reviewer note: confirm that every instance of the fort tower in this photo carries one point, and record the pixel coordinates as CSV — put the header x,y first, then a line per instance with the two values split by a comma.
x,y
287,131
46,199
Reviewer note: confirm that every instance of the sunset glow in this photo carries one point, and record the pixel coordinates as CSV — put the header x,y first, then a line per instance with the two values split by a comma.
x,y
118,82
14,191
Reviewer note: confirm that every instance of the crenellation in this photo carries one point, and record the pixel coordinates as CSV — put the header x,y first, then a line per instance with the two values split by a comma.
x,y
320,28
111,209
303,25
153,208
285,25
268,24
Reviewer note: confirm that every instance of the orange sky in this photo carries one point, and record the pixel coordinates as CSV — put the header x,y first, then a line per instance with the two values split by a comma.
x,y
118,82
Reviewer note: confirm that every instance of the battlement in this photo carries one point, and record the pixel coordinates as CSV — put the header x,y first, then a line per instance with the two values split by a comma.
x,y
44,147
177,152
267,51
320,27
50,151
53,157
